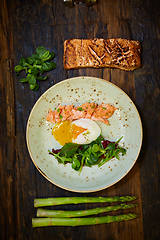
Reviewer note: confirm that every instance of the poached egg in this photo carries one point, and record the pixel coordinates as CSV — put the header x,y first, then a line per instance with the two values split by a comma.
x,y
81,131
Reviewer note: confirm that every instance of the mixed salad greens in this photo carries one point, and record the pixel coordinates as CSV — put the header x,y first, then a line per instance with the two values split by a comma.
x,y
97,152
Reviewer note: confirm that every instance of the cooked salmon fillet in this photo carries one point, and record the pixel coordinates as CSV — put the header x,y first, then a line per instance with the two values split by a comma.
x,y
115,53
87,110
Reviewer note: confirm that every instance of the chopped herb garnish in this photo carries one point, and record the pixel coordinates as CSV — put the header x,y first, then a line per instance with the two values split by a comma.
x,y
58,110
104,108
80,109
60,116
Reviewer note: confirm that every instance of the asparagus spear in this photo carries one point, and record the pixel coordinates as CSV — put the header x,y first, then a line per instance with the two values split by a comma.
x,y
58,213
41,202
44,222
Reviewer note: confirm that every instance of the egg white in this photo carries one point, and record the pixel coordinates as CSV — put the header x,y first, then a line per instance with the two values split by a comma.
x,y
92,133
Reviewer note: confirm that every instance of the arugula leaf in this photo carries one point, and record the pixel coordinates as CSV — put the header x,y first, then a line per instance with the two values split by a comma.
x,y
99,141
118,140
111,146
69,149
88,154
76,163
61,159
112,150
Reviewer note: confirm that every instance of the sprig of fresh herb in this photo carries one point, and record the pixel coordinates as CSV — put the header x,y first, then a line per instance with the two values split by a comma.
x,y
35,66
95,153
80,109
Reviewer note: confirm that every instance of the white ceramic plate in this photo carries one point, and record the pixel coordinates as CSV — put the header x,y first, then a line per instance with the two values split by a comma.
x,y
125,122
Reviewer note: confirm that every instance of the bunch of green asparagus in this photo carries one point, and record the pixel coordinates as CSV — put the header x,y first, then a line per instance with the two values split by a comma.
x,y
73,218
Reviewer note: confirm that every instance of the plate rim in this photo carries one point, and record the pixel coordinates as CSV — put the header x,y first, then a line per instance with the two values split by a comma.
x,y
70,189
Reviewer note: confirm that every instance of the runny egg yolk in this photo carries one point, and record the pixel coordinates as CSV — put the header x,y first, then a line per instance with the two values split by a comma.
x,y
65,132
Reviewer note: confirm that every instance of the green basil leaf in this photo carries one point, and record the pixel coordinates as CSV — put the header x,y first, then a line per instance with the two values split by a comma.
x,y
30,60
36,57
23,80
23,62
43,53
38,62
35,65
46,56
35,71
40,50
48,66
34,87
31,79
18,68
41,78
51,56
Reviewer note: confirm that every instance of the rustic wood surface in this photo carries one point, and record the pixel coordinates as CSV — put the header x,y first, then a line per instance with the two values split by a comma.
x,y
26,24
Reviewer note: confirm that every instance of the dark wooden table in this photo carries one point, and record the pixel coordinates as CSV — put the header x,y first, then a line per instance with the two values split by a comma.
x,y
26,24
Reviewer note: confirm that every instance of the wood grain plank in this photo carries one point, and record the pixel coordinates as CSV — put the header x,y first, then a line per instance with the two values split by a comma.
x,y
7,129
126,82
147,100
27,24
83,18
